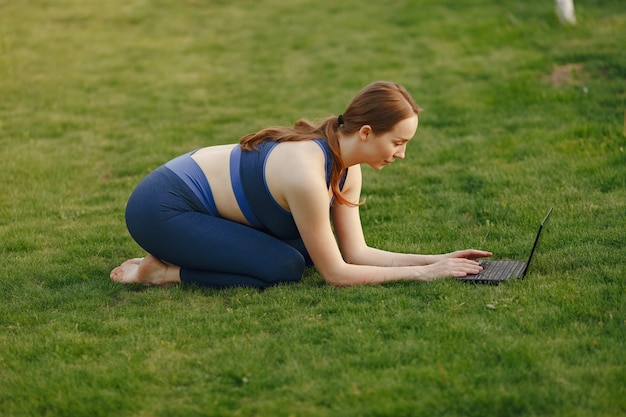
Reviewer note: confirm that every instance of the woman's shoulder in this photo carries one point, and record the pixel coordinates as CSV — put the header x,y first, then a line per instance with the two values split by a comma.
x,y
304,154
296,161
296,169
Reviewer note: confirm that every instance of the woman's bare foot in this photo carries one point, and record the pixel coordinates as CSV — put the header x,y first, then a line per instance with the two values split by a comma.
x,y
147,271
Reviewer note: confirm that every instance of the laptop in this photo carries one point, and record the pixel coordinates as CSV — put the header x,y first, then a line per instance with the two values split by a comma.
x,y
495,272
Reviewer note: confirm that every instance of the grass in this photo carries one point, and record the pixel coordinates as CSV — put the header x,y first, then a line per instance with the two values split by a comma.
x,y
521,114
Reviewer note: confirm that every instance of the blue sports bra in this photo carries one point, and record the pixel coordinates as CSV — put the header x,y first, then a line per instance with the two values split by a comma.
x,y
255,201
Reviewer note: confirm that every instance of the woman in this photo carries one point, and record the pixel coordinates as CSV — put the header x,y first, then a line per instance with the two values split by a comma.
x,y
257,213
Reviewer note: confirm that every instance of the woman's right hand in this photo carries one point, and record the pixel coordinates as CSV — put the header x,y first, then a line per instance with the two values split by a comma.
x,y
449,268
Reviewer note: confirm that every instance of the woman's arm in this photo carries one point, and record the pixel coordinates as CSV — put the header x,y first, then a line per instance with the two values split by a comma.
x,y
349,231
305,192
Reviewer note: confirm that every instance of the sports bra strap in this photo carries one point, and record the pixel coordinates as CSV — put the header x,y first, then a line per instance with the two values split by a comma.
x,y
235,179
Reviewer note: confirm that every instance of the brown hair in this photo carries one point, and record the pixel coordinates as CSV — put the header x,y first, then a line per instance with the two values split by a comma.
x,y
380,105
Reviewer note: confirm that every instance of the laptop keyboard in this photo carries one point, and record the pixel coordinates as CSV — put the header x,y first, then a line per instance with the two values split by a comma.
x,y
498,271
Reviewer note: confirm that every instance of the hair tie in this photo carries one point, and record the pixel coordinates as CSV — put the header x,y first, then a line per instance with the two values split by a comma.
x,y
340,119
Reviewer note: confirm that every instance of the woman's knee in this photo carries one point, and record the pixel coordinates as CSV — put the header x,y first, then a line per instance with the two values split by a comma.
x,y
286,268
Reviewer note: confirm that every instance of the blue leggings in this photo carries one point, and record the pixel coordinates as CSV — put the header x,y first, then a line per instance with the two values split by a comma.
x,y
168,220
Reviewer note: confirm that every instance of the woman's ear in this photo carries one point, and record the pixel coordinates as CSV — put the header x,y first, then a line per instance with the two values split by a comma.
x,y
364,132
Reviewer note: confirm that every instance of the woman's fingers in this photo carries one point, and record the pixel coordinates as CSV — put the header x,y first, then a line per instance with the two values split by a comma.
x,y
454,267
471,254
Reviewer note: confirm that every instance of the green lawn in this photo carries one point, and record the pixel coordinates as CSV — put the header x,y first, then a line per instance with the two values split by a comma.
x,y
521,114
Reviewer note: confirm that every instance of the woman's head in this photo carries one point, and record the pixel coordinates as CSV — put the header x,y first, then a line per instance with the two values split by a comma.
x,y
380,105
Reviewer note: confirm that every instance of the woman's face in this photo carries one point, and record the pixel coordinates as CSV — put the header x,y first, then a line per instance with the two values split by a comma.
x,y
381,150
